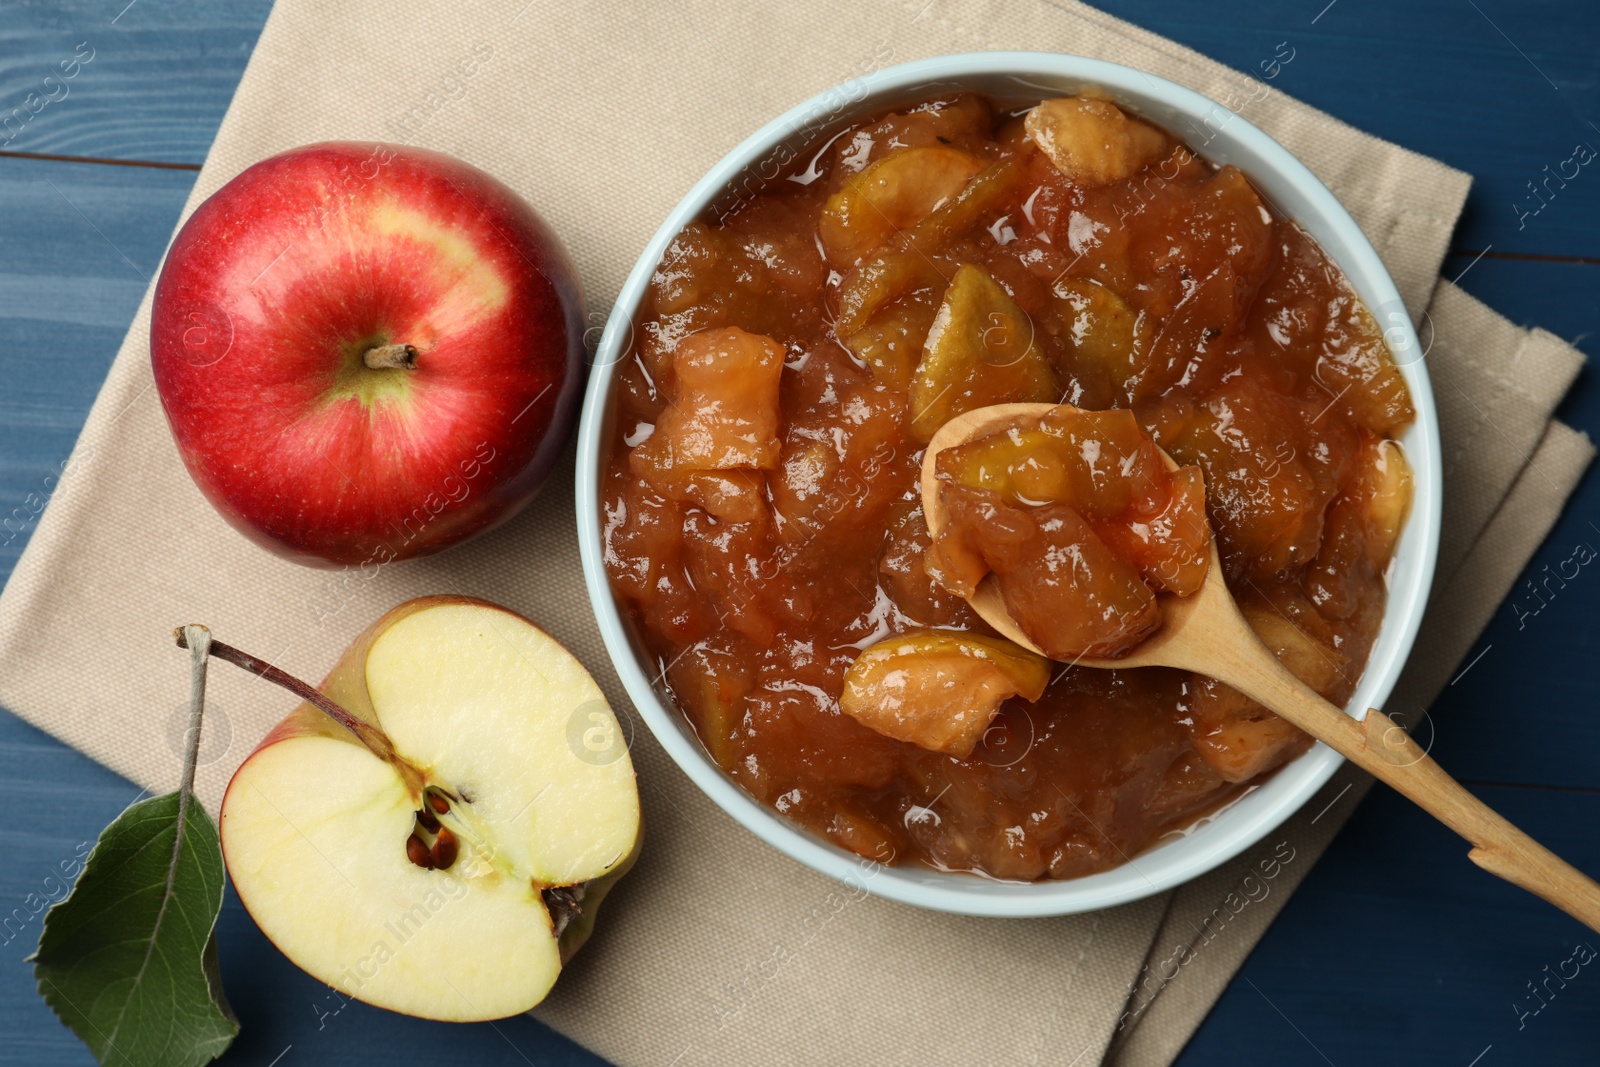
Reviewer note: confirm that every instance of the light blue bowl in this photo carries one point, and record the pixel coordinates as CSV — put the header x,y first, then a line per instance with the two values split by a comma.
x,y
1220,136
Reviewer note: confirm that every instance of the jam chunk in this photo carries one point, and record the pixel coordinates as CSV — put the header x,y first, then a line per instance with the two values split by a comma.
x,y
1103,466
891,343
883,279
724,409
1171,547
981,350
1309,318
954,218
752,273
1109,342
917,259
1239,738
1062,585
939,689
1364,526
1093,142
890,195
903,573
1273,463
962,120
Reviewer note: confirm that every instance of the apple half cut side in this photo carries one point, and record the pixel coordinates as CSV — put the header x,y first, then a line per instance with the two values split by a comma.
x,y
453,875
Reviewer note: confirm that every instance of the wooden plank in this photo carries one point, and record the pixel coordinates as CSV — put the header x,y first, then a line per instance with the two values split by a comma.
x,y
1442,78
1396,950
69,798
1524,710
80,244
148,80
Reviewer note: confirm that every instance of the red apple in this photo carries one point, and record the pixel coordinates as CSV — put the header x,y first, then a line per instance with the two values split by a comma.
x,y
366,352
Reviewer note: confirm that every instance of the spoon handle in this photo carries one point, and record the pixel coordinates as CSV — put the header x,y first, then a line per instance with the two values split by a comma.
x,y
1391,755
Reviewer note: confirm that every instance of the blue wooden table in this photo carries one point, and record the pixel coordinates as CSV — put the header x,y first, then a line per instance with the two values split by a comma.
x,y
1395,951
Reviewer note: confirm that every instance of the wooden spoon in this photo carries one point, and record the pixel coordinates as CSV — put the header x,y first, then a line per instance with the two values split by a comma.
x,y
1205,633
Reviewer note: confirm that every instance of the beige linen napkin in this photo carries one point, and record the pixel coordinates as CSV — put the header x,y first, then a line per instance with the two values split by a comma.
x,y
716,949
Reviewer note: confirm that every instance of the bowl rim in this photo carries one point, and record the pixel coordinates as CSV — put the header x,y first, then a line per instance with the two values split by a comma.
x,y
1225,834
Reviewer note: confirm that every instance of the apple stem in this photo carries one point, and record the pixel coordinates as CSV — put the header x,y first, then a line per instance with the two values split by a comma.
x,y
198,639
373,738
387,357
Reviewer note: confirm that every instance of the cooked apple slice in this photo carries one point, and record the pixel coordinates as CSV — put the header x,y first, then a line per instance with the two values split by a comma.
x,y
981,350
1387,483
891,194
1062,585
724,409
891,344
1093,142
1110,341
939,689
443,854
886,277
979,199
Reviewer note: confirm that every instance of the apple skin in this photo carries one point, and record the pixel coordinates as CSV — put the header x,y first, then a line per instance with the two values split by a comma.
x,y
347,684
277,285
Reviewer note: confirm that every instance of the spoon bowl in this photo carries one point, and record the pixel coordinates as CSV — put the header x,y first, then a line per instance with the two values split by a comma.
x,y
1177,613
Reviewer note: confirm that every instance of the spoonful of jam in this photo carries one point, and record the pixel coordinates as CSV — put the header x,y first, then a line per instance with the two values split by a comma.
x,y
1076,538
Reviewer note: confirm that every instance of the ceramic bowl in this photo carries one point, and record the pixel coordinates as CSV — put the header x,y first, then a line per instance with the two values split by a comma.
x,y
1220,136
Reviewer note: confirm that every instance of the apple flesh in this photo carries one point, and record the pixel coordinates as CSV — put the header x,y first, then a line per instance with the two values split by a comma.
x,y
507,771
366,353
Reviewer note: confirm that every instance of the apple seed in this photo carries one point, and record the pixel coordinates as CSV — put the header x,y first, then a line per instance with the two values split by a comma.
x,y
429,821
417,852
440,804
445,848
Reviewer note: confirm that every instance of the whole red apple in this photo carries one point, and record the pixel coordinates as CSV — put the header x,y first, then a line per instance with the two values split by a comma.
x,y
366,352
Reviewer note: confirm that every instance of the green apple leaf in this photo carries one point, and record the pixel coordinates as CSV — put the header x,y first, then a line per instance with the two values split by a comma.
x,y
128,959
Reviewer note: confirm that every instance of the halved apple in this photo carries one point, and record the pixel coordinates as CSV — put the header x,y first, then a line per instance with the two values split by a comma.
x,y
446,858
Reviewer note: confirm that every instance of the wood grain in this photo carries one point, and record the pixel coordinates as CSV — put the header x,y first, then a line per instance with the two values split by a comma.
x,y
148,80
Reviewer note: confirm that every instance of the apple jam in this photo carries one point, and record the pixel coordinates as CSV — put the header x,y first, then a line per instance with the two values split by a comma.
x,y
1081,523
798,348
